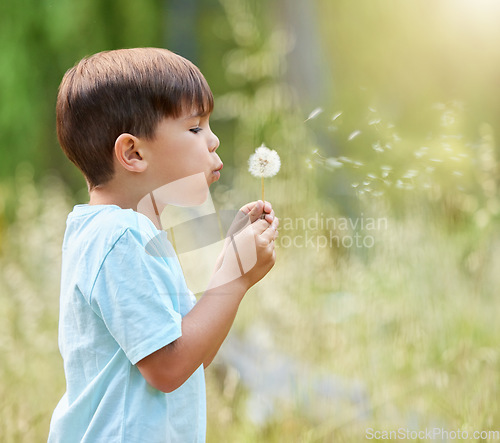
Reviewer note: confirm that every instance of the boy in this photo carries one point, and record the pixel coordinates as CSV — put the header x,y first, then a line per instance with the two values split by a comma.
x,y
133,341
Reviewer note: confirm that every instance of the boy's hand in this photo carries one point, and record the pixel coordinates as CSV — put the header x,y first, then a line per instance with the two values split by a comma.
x,y
247,215
257,209
249,253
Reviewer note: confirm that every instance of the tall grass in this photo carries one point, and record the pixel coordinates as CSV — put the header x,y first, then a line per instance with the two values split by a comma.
x,y
413,319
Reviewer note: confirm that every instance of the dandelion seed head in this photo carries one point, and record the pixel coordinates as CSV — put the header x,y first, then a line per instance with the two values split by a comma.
x,y
264,162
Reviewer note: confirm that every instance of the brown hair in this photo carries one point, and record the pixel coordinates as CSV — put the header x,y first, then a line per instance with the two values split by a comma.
x,y
123,91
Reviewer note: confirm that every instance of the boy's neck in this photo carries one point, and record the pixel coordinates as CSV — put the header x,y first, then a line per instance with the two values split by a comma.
x,y
106,196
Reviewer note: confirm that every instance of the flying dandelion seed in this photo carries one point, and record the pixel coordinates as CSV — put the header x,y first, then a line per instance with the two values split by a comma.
x,y
334,163
345,159
314,113
374,122
420,153
411,173
264,163
372,176
377,147
336,116
353,134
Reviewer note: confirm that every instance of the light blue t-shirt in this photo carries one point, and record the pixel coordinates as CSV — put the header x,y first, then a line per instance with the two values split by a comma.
x,y
119,304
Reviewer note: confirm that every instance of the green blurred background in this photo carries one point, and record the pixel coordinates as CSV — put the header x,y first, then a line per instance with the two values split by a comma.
x,y
380,111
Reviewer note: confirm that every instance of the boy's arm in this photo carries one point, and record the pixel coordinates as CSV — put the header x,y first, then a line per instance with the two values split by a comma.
x,y
206,326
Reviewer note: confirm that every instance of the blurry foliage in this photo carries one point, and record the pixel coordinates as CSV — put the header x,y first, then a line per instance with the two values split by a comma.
x,y
39,41
405,131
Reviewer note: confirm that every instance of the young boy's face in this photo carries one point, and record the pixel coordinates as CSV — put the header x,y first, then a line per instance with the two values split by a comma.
x,y
184,147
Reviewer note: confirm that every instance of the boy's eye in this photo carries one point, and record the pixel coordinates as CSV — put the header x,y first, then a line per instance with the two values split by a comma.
x,y
195,130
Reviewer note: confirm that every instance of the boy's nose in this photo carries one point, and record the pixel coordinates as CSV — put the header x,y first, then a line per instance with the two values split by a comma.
x,y
214,142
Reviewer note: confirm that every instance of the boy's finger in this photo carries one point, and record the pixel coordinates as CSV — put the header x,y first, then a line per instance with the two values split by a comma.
x,y
268,207
256,211
248,207
260,226
270,232
269,217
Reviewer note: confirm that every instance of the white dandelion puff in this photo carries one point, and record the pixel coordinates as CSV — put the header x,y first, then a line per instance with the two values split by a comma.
x,y
264,163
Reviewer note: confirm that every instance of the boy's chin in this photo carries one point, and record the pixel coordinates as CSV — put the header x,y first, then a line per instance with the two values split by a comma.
x,y
188,191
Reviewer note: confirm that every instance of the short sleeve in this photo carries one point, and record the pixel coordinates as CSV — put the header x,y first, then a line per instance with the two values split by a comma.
x,y
137,297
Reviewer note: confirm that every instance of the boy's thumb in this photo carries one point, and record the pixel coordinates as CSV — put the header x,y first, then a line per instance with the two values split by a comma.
x,y
256,211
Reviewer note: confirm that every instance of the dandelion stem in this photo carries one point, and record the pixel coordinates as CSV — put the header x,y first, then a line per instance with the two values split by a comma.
x,y
262,182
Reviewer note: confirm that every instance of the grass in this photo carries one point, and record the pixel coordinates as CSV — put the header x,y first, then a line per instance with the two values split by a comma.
x,y
412,319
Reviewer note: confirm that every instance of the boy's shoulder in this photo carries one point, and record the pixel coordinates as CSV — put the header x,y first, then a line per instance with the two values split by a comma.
x,y
101,226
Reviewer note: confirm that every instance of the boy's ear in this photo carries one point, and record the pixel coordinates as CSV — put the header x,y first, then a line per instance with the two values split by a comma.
x,y
128,154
